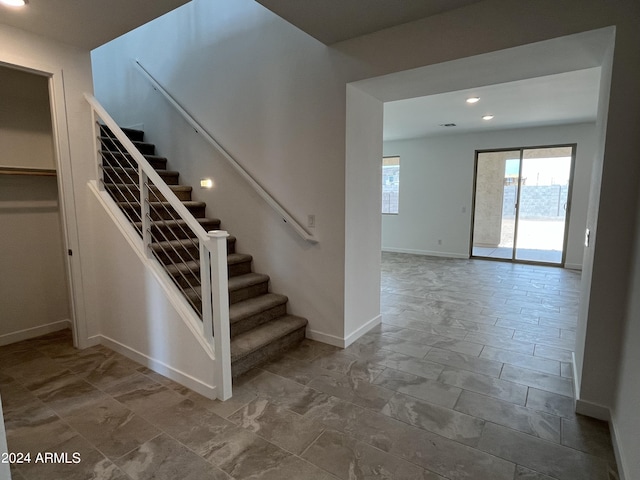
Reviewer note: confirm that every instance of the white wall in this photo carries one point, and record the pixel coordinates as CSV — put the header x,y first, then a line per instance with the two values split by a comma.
x,y
436,185
33,284
362,272
25,120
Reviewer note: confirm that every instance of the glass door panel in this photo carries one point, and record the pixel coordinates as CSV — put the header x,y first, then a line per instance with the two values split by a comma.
x,y
496,194
542,210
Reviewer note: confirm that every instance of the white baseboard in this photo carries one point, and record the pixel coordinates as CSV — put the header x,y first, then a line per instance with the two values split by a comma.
x,y
325,338
33,332
620,458
352,337
162,368
584,407
593,410
429,253
573,266
349,339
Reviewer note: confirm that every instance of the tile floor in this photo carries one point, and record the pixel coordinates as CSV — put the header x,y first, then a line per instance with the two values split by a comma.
x,y
468,377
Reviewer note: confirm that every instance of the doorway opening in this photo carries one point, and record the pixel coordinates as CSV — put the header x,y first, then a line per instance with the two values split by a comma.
x,y
521,204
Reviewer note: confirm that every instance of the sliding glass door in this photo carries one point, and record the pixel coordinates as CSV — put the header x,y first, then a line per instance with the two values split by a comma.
x,y
521,203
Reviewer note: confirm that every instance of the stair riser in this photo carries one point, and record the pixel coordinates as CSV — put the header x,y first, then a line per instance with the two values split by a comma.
x,y
160,213
120,176
238,269
185,280
188,279
118,160
266,353
253,321
177,233
115,146
132,193
178,255
248,292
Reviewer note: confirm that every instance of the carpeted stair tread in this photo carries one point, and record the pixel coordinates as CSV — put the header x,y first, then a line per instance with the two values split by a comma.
x,y
156,161
167,205
247,280
135,170
168,245
143,147
174,188
245,309
235,258
133,134
193,266
130,175
248,342
206,223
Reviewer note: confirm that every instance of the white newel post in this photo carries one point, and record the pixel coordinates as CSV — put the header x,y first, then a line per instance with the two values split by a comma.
x,y
145,212
220,312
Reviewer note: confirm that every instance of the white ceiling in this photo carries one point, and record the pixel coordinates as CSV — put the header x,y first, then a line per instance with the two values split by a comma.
x,y
569,97
85,24
332,21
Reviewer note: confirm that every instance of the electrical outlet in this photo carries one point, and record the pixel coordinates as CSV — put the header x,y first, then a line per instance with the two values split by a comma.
x,y
439,241
311,221
464,209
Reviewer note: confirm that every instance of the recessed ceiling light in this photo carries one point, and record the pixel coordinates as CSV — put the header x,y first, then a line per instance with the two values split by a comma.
x,y
14,3
487,117
473,99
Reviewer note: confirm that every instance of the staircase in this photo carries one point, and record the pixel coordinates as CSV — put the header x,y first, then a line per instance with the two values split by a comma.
x,y
260,326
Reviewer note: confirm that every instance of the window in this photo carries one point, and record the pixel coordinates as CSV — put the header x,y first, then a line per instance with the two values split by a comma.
x,y
390,184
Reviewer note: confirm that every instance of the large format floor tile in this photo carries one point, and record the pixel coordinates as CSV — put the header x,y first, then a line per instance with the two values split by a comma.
x,y
467,377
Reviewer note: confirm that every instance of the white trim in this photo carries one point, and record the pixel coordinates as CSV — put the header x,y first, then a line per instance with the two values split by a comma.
x,y
162,368
353,336
325,338
34,332
575,377
573,266
348,340
620,458
593,410
429,253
